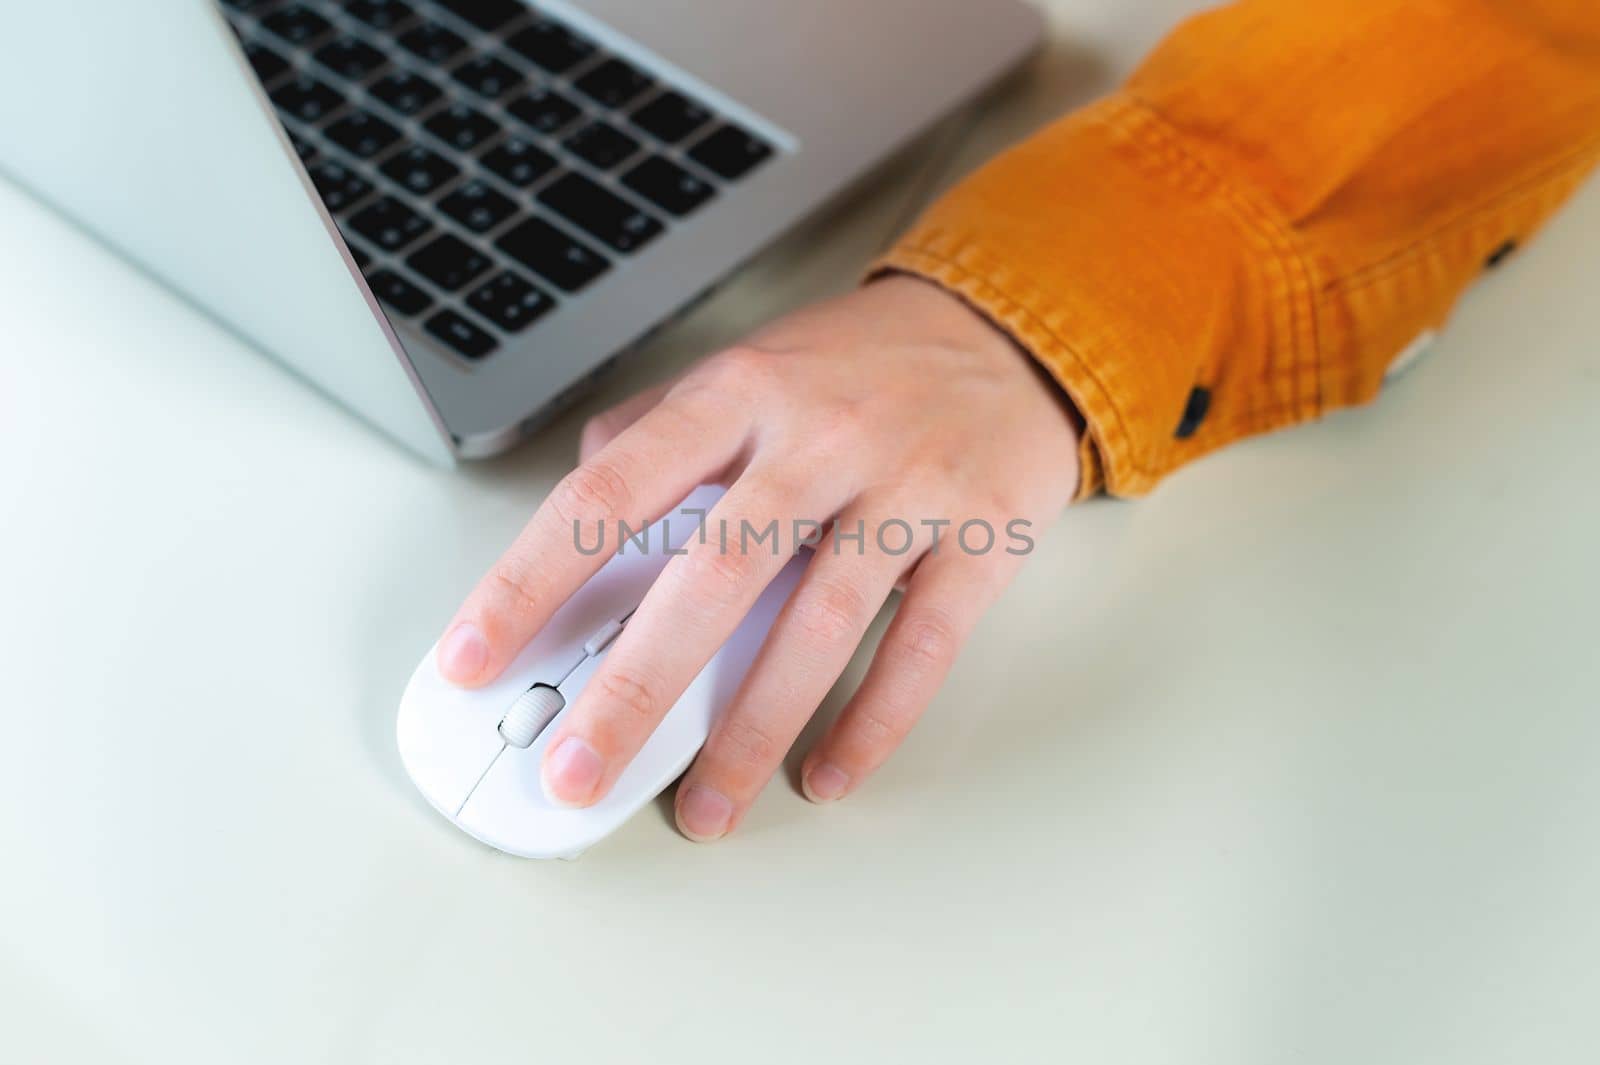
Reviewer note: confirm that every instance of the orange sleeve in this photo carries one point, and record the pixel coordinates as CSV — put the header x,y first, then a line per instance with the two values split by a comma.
x,y
1283,198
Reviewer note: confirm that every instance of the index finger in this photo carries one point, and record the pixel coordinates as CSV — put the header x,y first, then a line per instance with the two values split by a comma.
x,y
688,439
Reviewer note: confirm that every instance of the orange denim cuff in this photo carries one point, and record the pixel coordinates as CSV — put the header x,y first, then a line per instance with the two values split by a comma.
x,y
1139,279
1178,306
1283,198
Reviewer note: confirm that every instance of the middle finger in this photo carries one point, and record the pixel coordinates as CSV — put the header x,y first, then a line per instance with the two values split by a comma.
x,y
690,612
814,638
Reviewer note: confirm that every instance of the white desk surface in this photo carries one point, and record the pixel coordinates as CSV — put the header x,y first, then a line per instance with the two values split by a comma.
x,y
1294,761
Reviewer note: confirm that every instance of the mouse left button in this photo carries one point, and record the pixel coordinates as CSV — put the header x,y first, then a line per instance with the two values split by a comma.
x,y
447,736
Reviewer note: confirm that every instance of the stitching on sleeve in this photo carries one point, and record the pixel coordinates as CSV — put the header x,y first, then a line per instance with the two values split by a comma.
x,y
1282,249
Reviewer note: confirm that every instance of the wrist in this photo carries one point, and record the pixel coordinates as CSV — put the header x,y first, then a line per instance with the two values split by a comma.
x,y
936,315
943,317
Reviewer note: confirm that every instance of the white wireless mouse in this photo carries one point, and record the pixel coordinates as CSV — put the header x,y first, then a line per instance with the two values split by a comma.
x,y
475,754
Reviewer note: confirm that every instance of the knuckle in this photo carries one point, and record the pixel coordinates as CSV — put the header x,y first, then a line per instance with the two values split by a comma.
x,y
743,370
848,428
784,485
628,692
936,464
593,491
677,424
998,505
927,639
717,576
881,727
832,612
945,467
513,588
748,745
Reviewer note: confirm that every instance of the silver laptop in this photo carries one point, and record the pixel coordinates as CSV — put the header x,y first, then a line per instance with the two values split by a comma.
x,y
451,214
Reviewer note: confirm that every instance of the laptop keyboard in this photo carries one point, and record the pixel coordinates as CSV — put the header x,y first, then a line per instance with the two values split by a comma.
x,y
484,159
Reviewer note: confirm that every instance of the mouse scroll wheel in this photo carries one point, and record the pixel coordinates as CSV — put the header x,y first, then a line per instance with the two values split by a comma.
x,y
529,715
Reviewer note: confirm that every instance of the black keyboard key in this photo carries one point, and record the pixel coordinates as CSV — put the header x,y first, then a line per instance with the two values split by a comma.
x,y
406,93
297,24
362,259
303,148
544,110
432,42
485,14
518,162
668,186
389,224
552,46
477,206
460,334
361,134
449,262
461,127
730,152
339,186
399,293
265,62
419,170
671,117
511,303
602,145
613,83
600,212
350,58
379,14
554,256
307,99
489,76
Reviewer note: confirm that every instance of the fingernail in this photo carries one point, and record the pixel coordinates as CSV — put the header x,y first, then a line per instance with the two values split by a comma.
x,y
463,653
704,813
825,783
571,772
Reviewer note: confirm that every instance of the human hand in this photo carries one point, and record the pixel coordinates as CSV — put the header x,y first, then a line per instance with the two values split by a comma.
x,y
895,403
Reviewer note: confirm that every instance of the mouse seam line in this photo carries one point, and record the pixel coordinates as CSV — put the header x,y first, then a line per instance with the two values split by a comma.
x,y
481,777
557,685
571,670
